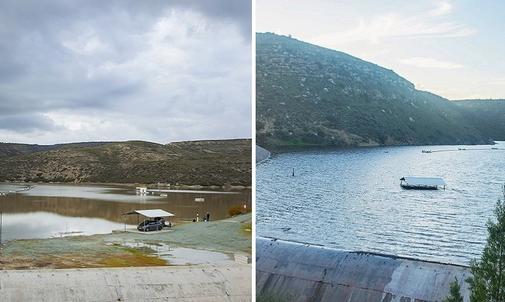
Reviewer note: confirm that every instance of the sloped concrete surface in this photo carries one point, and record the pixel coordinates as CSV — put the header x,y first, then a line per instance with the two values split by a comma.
x,y
184,283
303,272
261,154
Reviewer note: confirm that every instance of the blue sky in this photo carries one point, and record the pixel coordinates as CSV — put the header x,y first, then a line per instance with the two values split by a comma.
x,y
452,48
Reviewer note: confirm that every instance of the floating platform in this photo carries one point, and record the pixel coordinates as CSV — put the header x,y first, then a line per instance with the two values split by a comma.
x,y
422,183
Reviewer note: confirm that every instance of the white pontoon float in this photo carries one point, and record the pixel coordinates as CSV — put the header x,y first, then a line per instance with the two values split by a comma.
x,y
422,183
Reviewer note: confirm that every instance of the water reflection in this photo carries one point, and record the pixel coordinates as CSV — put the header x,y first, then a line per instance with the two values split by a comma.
x,y
44,224
181,255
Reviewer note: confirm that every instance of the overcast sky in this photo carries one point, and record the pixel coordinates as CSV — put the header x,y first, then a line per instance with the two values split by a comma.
x,y
122,70
453,48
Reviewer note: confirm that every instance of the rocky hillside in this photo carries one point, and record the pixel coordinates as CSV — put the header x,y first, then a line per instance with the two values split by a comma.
x,y
190,163
313,96
488,116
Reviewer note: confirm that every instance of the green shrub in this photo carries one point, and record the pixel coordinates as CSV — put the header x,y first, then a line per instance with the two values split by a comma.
x,y
455,293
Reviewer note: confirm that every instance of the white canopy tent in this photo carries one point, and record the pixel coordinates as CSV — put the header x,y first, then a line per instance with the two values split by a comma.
x,y
152,213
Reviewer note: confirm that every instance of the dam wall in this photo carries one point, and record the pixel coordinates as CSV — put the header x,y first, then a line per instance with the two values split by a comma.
x,y
291,271
174,283
261,154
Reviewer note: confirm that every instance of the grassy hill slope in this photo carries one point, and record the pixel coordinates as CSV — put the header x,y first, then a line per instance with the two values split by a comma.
x,y
191,163
313,96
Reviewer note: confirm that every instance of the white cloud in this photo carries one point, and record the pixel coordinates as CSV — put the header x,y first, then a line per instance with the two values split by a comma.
x,y
442,8
422,62
170,74
376,29
379,28
87,44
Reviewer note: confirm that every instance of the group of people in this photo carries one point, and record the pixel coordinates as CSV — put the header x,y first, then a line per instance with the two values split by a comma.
x,y
197,218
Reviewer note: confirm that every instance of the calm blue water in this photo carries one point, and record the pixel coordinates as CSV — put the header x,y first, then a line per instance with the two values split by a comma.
x,y
351,200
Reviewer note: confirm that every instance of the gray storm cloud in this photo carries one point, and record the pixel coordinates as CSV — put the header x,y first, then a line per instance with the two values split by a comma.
x,y
116,70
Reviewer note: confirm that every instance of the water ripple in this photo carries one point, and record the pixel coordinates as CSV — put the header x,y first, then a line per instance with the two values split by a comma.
x,y
351,200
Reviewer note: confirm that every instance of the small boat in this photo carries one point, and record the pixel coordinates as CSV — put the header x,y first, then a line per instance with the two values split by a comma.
x,y
426,151
422,183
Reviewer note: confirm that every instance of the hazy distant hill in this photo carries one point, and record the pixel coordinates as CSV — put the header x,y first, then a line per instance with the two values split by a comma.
x,y
11,149
488,116
191,163
313,96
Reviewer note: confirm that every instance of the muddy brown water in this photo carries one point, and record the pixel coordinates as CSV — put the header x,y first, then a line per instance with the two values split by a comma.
x,y
50,210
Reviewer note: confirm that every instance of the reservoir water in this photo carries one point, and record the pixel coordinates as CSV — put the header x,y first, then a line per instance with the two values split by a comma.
x,y
351,199
54,210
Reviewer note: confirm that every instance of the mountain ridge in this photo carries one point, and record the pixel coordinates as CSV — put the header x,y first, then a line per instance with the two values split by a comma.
x,y
311,96
488,115
206,163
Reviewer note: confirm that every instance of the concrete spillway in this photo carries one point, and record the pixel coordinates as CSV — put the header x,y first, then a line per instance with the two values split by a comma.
x,y
261,154
302,272
193,283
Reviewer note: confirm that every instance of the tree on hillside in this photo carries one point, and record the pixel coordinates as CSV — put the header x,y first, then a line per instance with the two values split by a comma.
x,y
487,283
455,292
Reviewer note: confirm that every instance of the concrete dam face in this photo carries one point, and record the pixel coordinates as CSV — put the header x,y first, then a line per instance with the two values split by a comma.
x,y
292,271
261,154
174,283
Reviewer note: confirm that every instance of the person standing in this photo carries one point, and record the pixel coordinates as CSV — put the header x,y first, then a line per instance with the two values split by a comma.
x,y
208,216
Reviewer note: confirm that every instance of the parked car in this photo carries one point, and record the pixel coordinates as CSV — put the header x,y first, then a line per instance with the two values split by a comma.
x,y
151,225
